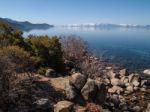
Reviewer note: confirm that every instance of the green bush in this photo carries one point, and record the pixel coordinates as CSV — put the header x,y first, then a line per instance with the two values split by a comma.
x,y
47,50
10,36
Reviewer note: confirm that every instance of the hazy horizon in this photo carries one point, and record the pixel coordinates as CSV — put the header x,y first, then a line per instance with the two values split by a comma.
x,y
60,12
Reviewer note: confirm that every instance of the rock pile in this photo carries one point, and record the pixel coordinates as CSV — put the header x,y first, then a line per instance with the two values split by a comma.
x,y
122,85
86,88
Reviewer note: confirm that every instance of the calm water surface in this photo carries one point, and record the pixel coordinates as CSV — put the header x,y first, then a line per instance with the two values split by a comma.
x,y
128,47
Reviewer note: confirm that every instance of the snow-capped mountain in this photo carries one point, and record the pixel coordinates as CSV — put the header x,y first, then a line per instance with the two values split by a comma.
x,y
102,25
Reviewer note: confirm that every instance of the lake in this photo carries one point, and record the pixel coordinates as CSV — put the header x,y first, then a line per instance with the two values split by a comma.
x,y
128,47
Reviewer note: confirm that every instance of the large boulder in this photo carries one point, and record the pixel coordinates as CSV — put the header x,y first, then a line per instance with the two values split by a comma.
x,y
63,106
89,90
50,73
101,92
78,80
70,92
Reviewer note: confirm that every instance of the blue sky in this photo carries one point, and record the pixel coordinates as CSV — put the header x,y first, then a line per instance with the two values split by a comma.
x,y
77,11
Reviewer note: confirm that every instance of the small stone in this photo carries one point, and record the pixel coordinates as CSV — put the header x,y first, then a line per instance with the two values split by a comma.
x,y
144,86
134,98
147,72
124,80
50,73
124,72
143,82
42,104
130,89
136,109
123,106
108,68
143,89
111,74
136,83
115,89
127,92
107,81
116,82
148,108
127,84
110,90
63,106
80,109
136,88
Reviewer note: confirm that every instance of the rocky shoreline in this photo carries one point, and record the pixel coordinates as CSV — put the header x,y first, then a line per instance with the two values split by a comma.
x,y
114,91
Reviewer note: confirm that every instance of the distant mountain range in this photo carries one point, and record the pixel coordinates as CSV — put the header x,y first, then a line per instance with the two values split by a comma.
x,y
101,25
25,26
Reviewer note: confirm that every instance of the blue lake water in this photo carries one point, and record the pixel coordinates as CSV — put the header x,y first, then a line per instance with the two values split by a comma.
x,y
129,47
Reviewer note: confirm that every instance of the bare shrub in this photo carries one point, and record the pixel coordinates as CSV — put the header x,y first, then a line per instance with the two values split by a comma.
x,y
74,47
77,50
12,61
92,67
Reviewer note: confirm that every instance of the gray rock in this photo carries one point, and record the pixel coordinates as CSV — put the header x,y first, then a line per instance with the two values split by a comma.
x,y
78,80
123,72
115,89
111,74
130,89
136,83
63,106
89,90
111,90
42,104
123,106
108,68
134,77
101,92
148,108
116,82
107,81
147,72
124,80
143,82
136,109
50,73
136,88
127,84
70,92
143,89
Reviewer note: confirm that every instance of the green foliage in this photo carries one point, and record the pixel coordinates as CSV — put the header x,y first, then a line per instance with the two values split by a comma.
x,y
47,50
10,36
19,59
